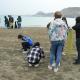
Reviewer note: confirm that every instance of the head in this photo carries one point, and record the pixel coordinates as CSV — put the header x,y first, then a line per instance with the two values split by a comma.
x,y
19,16
9,15
4,16
78,19
20,36
36,44
57,14
64,18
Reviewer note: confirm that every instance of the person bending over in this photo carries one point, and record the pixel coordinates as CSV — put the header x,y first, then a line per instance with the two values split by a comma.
x,y
26,42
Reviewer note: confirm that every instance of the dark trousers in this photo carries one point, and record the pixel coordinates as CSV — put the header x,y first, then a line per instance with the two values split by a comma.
x,y
78,47
26,46
33,64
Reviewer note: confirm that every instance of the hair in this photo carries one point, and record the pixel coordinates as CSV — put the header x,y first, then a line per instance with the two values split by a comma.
x,y
36,44
57,14
78,19
20,36
64,18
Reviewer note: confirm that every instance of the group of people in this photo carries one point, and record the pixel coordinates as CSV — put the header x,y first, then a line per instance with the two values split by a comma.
x,y
33,52
57,31
10,23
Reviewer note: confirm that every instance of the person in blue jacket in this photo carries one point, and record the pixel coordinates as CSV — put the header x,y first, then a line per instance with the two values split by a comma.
x,y
26,42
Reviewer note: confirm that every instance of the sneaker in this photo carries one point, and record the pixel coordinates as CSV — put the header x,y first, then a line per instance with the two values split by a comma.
x,y
55,69
59,64
30,65
54,64
63,54
24,52
50,67
36,65
76,62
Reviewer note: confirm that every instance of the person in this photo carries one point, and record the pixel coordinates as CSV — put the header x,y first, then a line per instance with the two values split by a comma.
x,y
19,20
48,25
26,42
11,21
35,55
65,20
48,28
76,27
6,21
58,34
15,25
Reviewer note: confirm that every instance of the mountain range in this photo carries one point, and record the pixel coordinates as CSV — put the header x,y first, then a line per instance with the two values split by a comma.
x,y
67,12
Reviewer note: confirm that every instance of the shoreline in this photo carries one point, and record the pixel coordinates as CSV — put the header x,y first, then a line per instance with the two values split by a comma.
x,y
30,26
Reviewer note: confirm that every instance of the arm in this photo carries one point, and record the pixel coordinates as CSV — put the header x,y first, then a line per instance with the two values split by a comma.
x,y
48,25
76,27
42,53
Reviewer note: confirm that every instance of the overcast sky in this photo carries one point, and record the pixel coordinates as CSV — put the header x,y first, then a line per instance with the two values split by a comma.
x,y
23,7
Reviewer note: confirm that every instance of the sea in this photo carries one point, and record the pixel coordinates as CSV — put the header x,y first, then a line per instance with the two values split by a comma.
x,y
30,21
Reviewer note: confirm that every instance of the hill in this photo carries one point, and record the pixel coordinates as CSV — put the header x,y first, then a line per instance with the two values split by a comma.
x,y
40,13
71,11
68,12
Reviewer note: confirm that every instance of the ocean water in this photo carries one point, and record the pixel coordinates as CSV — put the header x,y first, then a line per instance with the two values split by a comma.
x,y
28,21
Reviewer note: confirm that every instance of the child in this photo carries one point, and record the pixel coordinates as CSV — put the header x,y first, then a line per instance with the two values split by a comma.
x,y
35,54
26,42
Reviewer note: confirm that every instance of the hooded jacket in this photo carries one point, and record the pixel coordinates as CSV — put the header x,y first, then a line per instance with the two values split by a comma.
x,y
58,30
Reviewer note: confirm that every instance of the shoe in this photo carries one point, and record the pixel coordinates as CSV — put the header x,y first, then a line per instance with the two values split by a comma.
x,y
54,64
30,65
50,67
76,62
63,54
24,52
56,69
59,65
36,65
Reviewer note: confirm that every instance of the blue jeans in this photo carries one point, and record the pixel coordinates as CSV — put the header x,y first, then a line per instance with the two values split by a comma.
x,y
56,51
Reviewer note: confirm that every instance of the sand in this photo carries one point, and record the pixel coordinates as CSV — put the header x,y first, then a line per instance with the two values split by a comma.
x,y
14,67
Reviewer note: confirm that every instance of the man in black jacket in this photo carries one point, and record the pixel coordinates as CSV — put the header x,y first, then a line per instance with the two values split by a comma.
x,y
77,30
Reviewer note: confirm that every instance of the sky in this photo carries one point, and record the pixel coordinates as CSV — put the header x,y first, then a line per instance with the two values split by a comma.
x,y
28,7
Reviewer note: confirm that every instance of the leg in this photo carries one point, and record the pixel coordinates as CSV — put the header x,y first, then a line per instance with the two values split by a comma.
x,y
25,46
36,64
59,52
78,49
52,52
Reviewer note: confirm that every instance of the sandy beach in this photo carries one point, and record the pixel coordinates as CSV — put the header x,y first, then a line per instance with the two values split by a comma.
x,y
14,67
